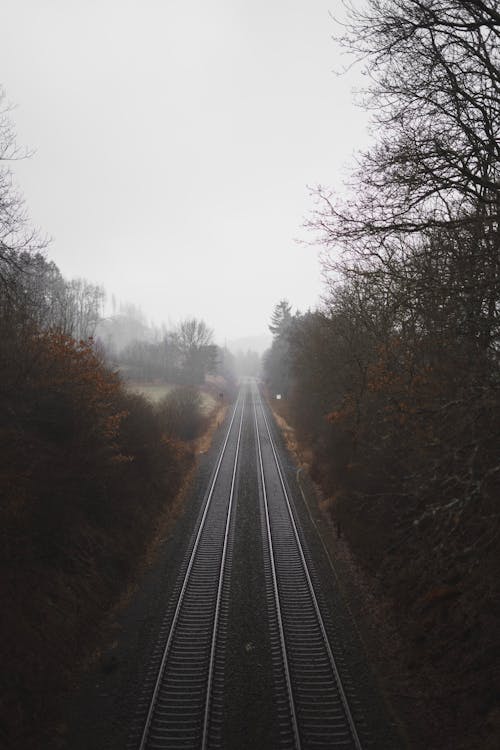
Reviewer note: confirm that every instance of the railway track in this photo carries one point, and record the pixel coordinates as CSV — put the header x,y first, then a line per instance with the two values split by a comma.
x,y
180,691
182,700
315,711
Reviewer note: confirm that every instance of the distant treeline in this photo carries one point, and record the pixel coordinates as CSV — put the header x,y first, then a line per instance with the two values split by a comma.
x,y
184,355
139,351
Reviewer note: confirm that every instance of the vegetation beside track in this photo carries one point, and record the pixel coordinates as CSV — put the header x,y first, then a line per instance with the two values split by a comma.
x,y
393,383
89,473
436,586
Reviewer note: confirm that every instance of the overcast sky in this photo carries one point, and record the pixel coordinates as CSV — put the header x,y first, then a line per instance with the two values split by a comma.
x,y
174,142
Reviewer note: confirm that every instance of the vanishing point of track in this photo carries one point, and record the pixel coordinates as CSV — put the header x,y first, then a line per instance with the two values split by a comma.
x,y
183,695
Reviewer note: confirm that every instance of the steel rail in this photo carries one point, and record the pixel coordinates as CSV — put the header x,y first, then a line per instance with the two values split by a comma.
x,y
206,718
320,620
286,668
192,557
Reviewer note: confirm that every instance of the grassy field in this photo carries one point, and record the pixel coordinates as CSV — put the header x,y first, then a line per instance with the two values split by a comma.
x,y
154,392
209,402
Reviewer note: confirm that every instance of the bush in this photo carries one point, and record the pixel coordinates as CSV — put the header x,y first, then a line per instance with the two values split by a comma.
x,y
181,413
86,471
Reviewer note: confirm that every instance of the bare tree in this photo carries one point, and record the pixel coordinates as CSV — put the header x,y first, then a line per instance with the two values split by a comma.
x,y
84,304
426,197
197,354
16,235
434,67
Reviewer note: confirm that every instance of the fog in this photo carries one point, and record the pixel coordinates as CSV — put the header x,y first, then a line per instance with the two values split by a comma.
x,y
174,143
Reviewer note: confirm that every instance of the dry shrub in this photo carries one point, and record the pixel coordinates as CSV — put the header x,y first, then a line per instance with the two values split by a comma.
x,y
86,470
181,413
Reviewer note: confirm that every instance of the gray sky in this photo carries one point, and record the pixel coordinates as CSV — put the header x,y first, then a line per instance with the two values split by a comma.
x,y
174,141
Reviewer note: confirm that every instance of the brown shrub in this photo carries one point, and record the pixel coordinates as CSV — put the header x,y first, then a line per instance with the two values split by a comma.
x,y
85,471
181,413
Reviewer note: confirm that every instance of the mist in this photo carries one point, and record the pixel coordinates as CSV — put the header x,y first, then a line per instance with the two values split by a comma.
x,y
173,146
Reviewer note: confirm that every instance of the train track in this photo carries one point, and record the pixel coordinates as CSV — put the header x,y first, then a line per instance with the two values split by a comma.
x,y
183,695
180,692
315,711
